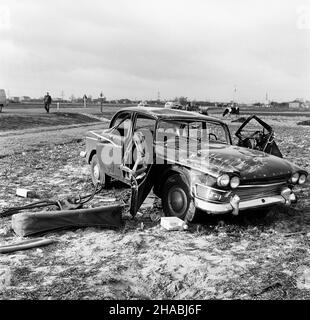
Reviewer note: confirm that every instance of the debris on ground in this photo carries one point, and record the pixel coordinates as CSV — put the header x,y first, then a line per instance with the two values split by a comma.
x,y
304,123
31,223
298,233
25,193
155,216
26,244
172,223
241,120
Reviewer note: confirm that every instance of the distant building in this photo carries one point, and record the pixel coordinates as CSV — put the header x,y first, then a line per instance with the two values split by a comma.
x,y
296,104
143,104
25,99
279,105
307,104
125,101
3,99
15,99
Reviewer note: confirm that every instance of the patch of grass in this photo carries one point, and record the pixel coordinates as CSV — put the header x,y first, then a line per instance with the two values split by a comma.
x,y
9,122
105,114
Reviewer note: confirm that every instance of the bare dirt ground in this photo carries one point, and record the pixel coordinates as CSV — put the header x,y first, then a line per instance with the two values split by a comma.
x,y
248,257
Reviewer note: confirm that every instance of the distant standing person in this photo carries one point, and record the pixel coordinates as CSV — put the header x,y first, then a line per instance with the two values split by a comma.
x,y
101,102
47,102
85,100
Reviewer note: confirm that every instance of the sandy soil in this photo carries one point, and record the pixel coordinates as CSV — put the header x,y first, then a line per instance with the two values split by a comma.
x,y
248,257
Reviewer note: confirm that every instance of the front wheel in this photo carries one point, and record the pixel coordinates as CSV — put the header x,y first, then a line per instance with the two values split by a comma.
x,y
176,198
97,175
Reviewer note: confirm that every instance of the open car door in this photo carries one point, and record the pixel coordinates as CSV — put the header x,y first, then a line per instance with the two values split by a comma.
x,y
256,134
140,171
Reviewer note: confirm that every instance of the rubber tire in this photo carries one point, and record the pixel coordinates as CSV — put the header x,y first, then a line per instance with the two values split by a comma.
x,y
103,178
177,182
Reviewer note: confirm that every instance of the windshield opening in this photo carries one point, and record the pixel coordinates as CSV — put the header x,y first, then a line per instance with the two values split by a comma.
x,y
203,131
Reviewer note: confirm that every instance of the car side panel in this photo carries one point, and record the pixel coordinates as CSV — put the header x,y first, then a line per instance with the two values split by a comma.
x,y
91,143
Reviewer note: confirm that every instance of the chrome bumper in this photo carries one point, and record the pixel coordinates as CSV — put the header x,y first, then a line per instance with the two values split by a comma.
x,y
234,205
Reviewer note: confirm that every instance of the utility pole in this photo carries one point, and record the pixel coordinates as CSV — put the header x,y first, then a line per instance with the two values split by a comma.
x,y
101,101
267,100
235,91
158,96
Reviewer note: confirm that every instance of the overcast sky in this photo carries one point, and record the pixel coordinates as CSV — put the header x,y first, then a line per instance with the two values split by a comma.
x,y
134,48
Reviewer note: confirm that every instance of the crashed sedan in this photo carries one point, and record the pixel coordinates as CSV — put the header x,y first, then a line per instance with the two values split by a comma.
x,y
190,162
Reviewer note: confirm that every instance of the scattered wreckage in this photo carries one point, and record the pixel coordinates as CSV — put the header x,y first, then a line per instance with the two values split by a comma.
x,y
190,162
70,214
32,223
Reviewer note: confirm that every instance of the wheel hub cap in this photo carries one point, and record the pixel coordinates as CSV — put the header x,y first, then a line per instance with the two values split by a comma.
x,y
177,200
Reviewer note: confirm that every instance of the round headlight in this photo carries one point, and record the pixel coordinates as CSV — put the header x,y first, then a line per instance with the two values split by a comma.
x,y
223,180
302,179
295,177
234,182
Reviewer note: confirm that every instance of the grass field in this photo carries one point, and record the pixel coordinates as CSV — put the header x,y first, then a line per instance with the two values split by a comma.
x,y
244,257
10,122
13,107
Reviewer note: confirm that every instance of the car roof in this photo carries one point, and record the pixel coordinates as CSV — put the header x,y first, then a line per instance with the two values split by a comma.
x,y
165,113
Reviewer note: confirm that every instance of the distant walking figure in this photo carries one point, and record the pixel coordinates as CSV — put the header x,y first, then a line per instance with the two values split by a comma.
x,y
47,102
85,100
101,102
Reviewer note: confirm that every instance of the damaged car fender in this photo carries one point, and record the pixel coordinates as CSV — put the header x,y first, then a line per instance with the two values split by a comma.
x,y
163,173
174,186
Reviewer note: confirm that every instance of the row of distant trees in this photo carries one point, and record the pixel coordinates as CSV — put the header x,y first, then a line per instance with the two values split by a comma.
x,y
182,100
89,99
185,101
274,104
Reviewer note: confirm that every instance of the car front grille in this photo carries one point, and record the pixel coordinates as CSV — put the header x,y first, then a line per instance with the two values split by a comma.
x,y
271,180
255,192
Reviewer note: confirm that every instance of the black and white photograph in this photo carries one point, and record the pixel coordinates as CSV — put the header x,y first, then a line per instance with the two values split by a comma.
x,y
155,150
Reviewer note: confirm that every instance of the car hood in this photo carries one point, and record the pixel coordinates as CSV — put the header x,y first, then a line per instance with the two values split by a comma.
x,y
249,164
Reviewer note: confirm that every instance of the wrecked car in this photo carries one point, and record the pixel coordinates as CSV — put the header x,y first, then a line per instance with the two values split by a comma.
x,y
190,162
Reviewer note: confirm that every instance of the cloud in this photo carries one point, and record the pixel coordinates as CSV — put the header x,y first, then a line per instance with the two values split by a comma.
x,y
135,48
